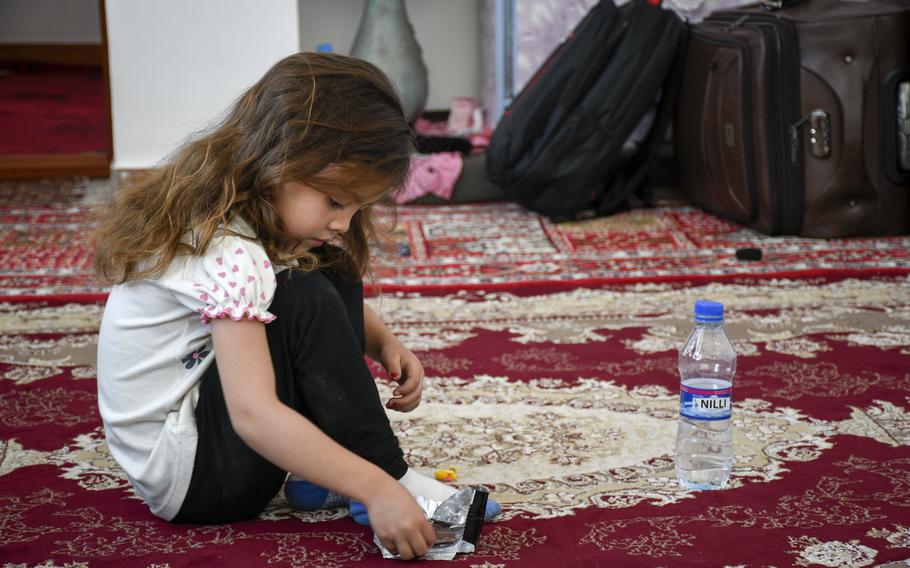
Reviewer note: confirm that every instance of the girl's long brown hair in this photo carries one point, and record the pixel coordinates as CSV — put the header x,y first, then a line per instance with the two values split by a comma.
x,y
310,111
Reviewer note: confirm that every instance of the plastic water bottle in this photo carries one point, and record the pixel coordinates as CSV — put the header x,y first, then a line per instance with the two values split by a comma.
x,y
704,438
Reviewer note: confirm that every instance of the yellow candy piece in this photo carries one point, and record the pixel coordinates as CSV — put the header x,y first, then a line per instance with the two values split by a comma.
x,y
447,474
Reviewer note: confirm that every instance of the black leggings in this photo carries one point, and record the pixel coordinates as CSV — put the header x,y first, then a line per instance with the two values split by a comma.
x,y
316,343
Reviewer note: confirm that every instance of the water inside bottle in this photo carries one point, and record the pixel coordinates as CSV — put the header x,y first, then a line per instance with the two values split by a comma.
x,y
704,448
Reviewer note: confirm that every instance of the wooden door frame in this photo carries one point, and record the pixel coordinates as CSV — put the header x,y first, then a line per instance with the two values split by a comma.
x,y
90,164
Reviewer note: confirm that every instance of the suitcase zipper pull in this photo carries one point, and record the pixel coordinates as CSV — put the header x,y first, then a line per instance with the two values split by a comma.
x,y
733,25
775,5
819,135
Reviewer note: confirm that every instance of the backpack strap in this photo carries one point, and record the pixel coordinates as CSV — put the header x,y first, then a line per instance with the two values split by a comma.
x,y
631,178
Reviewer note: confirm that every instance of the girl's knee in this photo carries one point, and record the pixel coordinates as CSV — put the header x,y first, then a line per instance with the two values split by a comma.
x,y
311,308
299,293
314,289
308,298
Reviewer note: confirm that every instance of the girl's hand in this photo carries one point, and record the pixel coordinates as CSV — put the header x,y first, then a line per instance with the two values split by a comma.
x,y
399,522
404,367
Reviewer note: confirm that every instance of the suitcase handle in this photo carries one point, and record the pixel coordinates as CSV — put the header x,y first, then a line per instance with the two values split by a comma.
x,y
776,5
895,126
903,125
819,123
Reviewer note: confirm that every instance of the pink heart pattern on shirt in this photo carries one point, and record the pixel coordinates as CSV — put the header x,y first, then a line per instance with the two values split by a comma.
x,y
235,291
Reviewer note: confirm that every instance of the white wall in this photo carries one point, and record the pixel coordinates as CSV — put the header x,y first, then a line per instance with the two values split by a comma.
x,y
447,30
50,21
176,65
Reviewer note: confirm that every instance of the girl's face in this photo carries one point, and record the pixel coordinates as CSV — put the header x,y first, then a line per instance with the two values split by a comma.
x,y
313,217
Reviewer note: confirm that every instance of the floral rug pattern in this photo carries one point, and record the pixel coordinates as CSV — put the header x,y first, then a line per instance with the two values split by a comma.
x,y
45,247
562,403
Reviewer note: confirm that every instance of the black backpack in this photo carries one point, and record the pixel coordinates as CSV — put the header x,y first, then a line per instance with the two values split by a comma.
x,y
561,148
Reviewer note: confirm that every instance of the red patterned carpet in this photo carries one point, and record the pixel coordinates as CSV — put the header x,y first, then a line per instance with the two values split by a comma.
x,y
52,109
44,248
560,399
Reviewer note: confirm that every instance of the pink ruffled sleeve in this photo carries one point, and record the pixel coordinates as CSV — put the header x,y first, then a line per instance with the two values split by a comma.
x,y
234,279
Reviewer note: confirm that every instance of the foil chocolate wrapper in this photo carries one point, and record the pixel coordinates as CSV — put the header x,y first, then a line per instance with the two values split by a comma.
x,y
456,522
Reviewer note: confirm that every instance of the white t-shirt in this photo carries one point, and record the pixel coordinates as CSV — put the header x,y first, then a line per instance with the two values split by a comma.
x,y
154,346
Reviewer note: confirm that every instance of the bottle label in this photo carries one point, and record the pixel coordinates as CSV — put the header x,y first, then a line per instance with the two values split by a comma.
x,y
706,403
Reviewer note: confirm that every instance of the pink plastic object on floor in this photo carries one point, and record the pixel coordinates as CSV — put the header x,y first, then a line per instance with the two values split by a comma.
x,y
465,117
426,127
431,174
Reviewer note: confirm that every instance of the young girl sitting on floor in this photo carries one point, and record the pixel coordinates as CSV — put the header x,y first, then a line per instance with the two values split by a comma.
x,y
231,347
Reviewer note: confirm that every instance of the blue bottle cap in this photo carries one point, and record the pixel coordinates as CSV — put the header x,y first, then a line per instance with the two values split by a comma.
x,y
324,48
707,311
